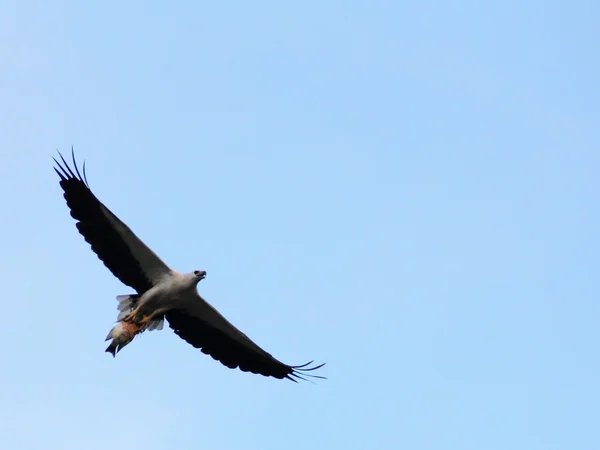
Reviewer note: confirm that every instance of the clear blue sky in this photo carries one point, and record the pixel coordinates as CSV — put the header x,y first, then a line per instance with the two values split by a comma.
x,y
408,192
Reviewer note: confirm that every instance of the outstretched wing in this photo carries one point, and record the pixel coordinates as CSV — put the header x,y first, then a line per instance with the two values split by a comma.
x,y
121,251
200,325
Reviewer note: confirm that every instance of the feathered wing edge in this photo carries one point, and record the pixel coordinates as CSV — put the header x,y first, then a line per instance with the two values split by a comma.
x,y
234,349
121,251
66,172
299,372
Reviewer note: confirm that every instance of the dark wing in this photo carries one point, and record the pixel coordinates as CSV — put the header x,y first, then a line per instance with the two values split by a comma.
x,y
200,325
118,248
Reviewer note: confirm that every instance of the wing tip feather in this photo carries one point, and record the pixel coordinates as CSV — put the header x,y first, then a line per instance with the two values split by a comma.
x,y
65,172
300,372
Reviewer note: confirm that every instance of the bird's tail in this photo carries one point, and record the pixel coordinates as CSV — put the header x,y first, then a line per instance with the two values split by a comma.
x,y
127,303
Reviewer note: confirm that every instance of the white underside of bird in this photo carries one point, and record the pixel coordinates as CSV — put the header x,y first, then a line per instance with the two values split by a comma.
x,y
146,312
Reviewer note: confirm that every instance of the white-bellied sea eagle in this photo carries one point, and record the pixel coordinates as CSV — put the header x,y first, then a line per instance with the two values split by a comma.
x,y
162,292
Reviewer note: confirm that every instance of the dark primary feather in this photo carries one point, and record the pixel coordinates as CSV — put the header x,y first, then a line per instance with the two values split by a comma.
x,y
96,229
230,352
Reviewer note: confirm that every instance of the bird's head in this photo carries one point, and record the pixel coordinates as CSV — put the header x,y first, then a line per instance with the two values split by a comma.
x,y
199,275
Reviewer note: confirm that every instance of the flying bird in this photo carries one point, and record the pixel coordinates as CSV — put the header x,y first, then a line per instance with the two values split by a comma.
x,y
161,292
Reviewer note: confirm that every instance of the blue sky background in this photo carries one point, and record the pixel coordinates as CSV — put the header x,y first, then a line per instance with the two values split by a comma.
x,y
407,191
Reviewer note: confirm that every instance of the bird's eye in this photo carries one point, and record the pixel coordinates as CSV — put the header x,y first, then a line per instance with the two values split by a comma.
x,y
197,272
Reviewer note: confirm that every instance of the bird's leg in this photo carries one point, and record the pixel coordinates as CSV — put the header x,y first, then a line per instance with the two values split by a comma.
x,y
134,317
145,320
